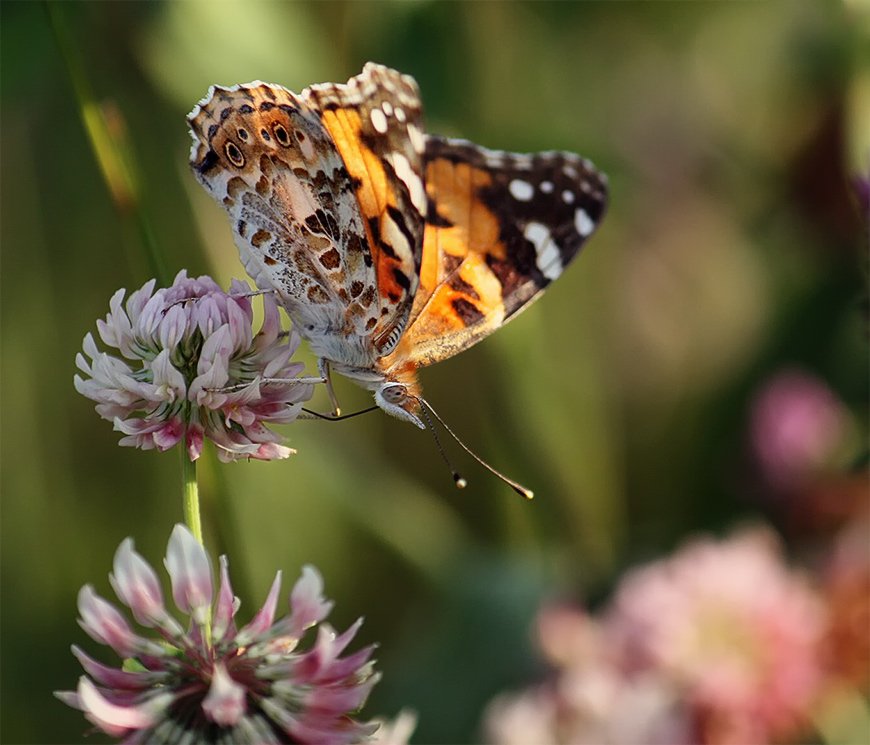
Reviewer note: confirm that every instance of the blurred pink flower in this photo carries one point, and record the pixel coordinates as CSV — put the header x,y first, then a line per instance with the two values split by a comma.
x,y
736,630
720,644
193,370
798,429
215,682
591,701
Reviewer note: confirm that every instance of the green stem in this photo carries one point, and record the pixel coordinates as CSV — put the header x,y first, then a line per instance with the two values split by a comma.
x,y
190,498
190,495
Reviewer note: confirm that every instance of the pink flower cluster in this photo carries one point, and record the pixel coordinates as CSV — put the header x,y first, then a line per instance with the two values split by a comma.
x,y
190,369
721,643
214,681
799,430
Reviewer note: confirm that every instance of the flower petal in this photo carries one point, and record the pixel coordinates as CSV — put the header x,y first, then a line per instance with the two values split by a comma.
x,y
194,441
173,327
117,720
225,703
398,731
104,624
227,605
265,616
190,571
137,586
307,603
167,379
113,678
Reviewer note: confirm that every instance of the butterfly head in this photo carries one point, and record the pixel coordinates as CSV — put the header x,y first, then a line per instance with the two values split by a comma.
x,y
397,399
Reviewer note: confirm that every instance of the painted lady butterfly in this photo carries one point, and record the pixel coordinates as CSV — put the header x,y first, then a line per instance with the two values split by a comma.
x,y
391,249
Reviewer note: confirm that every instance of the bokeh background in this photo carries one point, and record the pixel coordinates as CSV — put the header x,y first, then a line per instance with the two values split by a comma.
x,y
733,250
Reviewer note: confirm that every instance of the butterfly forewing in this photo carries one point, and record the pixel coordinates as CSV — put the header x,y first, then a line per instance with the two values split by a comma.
x,y
375,121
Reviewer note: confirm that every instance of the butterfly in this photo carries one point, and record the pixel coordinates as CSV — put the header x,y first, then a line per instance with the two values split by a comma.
x,y
391,249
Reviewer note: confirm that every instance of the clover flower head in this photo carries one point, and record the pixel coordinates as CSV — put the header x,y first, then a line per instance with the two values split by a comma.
x,y
213,681
590,701
799,428
718,644
188,368
736,630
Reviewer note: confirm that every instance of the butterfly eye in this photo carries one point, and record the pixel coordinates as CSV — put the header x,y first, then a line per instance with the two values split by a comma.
x,y
394,394
234,154
281,134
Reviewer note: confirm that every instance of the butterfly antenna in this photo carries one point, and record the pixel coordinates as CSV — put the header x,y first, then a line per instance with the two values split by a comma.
x,y
518,488
460,482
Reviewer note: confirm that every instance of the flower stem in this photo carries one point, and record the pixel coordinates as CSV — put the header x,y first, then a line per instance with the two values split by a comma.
x,y
190,495
190,499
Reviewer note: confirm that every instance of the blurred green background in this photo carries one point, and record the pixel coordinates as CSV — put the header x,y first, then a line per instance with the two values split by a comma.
x,y
732,247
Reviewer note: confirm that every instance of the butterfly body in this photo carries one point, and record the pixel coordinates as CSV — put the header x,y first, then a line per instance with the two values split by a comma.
x,y
390,249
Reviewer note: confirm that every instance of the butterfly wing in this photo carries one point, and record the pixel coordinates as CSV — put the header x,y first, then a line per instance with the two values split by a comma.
x,y
375,122
499,228
320,215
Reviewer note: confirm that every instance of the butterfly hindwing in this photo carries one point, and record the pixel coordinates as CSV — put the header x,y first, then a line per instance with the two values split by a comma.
x,y
499,228
325,192
264,156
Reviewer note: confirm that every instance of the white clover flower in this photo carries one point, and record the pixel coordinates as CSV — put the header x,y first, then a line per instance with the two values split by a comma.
x,y
190,369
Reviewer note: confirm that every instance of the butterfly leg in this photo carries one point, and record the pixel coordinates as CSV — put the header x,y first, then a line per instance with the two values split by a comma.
x,y
323,369
309,380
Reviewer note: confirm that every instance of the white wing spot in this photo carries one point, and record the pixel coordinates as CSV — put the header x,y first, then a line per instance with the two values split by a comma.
x,y
414,183
548,260
521,190
379,120
569,171
400,114
307,149
568,197
387,107
583,222
416,137
547,187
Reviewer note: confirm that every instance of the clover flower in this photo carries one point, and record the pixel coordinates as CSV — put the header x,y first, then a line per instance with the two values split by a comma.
x,y
800,429
215,682
192,369
719,644
590,701
737,630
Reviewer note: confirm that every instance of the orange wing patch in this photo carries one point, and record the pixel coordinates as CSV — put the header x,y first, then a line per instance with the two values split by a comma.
x,y
375,122
372,193
473,228
499,228
459,298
